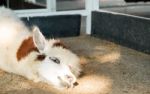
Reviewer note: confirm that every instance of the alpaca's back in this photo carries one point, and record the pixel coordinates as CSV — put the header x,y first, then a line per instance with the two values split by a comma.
x,y
12,33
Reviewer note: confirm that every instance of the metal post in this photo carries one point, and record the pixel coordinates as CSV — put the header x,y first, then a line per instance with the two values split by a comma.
x,y
90,6
51,5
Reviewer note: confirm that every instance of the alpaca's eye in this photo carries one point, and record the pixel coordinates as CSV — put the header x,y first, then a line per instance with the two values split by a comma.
x,y
55,60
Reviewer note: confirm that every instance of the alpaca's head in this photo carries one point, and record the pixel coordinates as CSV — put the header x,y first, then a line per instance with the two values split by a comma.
x,y
53,67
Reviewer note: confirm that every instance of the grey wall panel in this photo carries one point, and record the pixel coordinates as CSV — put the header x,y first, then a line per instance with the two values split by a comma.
x,y
127,30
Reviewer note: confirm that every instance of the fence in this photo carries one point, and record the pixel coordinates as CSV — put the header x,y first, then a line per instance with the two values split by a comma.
x,y
51,10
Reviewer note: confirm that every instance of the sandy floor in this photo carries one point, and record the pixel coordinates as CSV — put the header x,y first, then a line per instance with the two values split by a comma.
x,y
108,69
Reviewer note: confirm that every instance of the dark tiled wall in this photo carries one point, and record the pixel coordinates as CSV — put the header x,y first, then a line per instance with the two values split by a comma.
x,y
56,26
126,30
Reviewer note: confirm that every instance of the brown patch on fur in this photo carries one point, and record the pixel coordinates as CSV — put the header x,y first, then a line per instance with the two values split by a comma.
x,y
40,57
60,44
25,48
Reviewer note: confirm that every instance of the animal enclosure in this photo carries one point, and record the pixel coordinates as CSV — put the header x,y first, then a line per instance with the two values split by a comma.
x,y
113,49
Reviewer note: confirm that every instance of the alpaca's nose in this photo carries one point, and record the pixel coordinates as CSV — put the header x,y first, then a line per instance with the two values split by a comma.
x,y
70,78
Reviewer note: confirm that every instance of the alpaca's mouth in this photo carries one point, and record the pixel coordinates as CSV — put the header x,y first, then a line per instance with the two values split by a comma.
x,y
68,81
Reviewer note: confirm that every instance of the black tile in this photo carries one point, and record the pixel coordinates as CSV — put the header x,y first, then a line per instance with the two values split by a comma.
x,y
133,32
56,26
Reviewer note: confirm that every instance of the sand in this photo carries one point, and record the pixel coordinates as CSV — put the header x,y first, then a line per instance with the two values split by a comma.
x,y
108,68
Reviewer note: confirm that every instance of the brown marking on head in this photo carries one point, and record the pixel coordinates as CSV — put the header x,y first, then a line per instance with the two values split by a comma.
x,y
40,57
25,48
60,44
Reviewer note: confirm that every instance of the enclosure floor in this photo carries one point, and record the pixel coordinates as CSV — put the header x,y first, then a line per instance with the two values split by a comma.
x,y
107,69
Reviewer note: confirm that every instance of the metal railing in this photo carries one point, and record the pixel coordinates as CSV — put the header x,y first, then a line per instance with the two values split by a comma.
x,y
51,10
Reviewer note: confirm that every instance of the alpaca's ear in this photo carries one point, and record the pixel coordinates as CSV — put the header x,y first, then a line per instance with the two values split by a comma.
x,y
39,39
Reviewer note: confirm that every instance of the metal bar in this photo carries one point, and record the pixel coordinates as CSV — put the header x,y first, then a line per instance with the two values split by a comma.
x,y
90,6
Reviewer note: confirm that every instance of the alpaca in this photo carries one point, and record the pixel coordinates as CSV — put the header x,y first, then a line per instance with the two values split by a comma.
x,y
28,53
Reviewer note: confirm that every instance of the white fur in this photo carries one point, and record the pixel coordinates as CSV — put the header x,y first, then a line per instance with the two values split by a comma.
x,y
13,32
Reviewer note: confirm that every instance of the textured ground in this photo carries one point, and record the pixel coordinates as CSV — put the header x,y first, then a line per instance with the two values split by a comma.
x,y
108,69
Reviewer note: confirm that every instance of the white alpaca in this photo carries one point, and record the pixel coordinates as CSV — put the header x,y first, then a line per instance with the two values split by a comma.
x,y
29,54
